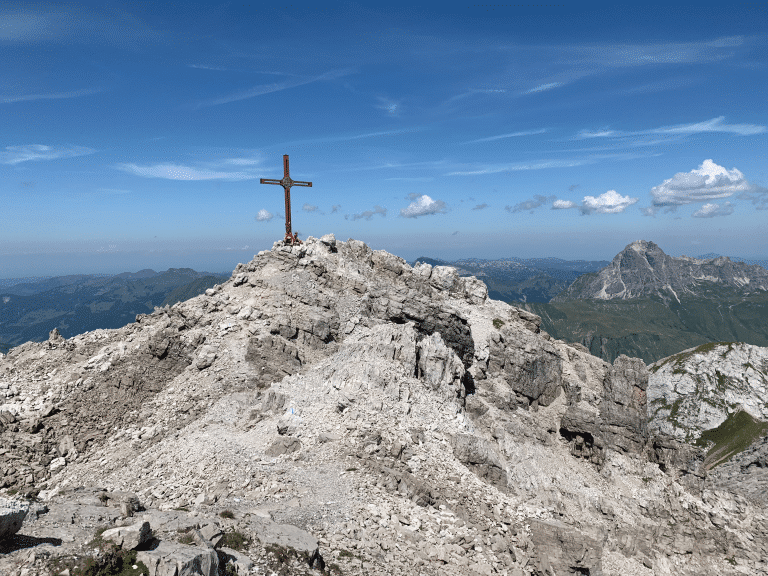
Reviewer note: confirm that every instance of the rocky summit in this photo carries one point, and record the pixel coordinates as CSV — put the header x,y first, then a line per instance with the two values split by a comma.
x,y
331,409
642,269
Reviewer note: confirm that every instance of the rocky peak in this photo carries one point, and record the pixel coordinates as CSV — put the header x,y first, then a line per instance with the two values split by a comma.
x,y
387,418
642,269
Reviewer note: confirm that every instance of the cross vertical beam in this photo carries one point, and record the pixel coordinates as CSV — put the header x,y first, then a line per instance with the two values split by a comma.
x,y
286,183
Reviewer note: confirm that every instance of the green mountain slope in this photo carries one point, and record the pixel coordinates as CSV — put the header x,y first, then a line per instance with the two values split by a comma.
x,y
83,303
648,328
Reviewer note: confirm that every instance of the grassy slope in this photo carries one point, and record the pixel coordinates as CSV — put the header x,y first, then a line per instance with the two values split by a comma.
x,y
734,435
650,329
108,303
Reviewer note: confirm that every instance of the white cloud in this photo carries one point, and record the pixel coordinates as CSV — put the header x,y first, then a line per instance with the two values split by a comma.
x,y
389,106
538,200
264,215
309,207
544,87
179,172
708,182
714,125
335,208
422,206
712,210
368,214
18,154
275,87
243,161
609,202
512,135
563,204
480,206
54,96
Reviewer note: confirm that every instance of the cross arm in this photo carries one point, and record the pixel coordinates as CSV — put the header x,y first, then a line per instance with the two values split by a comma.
x,y
300,183
270,181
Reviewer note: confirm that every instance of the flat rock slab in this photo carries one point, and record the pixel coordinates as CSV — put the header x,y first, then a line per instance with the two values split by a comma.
x,y
12,514
174,559
129,537
285,535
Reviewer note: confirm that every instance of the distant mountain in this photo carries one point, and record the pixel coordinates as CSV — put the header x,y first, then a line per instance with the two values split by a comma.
x,y
711,255
650,305
643,270
521,280
74,304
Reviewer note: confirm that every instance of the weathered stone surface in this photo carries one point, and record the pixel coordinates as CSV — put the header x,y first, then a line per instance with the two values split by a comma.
x,y
242,564
129,537
174,559
284,445
564,550
12,514
481,457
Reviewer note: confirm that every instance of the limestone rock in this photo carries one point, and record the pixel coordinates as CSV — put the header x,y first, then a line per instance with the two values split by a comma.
x,y
174,559
698,388
129,537
12,514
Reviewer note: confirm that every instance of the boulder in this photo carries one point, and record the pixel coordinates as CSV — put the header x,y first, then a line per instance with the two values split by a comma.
x,y
174,559
240,562
12,514
129,537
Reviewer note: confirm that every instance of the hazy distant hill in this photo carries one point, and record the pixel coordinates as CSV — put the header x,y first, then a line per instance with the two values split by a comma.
x,y
522,280
651,305
30,309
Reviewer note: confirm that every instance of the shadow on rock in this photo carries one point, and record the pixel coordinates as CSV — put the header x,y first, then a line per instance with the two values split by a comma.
x,y
19,541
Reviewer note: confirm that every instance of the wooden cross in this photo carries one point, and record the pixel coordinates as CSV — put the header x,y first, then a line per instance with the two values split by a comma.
x,y
286,183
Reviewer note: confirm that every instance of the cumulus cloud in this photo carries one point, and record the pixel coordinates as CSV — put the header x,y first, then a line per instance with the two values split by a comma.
x,y
368,214
563,204
309,207
712,210
422,206
610,202
538,200
18,154
264,215
707,182
480,207
179,172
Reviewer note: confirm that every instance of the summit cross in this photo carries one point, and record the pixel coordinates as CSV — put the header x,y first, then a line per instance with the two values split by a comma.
x,y
286,183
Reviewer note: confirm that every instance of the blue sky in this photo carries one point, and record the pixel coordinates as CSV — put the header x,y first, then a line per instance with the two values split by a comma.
x,y
134,135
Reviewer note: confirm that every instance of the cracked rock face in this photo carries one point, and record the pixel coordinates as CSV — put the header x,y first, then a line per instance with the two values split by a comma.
x,y
365,414
697,389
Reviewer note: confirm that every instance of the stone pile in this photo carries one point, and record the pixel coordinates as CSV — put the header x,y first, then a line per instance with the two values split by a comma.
x,y
334,406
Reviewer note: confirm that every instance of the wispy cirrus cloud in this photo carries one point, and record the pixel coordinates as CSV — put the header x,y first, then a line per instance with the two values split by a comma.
x,y
17,154
42,24
52,96
714,125
544,87
349,137
170,171
262,89
511,135
514,167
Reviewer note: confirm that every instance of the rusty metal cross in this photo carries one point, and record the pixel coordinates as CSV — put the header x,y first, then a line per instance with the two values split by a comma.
x,y
286,183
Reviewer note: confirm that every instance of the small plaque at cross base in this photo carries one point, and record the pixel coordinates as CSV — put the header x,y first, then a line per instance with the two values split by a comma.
x,y
286,183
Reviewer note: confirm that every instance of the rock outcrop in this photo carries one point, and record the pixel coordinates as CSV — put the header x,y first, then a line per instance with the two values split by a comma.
x,y
697,389
331,405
